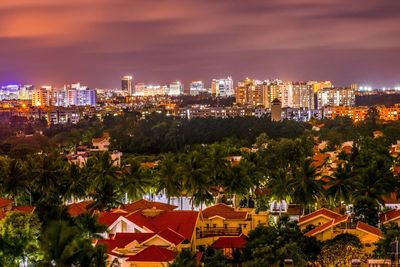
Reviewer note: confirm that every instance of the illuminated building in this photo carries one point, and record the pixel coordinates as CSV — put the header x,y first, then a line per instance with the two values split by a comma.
x,y
355,113
320,85
126,84
222,87
335,97
303,95
142,89
16,92
197,87
41,96
176,89
389,113
250,92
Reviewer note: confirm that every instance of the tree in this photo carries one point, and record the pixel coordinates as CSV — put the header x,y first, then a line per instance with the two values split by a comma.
x,y
14,178
136,180
215,258
384,247
184,259
271,245
340,250
167,178
278,182
341,186
306,189
19,234
105,188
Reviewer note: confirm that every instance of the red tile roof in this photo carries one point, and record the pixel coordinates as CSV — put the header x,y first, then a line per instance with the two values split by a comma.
x,y
25,209
130,237
391,199
2,215
369,228
140,220
144,204
5,202
327,225
153,254
390,215
182,222
107,218
224,211
171,236
321,212
230,242
78,208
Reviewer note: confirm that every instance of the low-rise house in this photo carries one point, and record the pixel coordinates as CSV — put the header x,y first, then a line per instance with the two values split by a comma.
x,y
222,220
317,218
367,234
230,244
102,143
390,216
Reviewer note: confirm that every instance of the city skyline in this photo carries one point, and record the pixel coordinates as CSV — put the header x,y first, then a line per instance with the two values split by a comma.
x,y
99,41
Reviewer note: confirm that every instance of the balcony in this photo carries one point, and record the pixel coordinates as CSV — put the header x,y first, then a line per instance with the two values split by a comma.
x,y
218,231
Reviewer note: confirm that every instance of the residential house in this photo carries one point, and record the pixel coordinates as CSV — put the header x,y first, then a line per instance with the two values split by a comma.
x,y
317,218
367,234
222,220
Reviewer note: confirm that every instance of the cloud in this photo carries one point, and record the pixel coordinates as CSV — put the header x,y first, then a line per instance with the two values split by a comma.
x,y
100,40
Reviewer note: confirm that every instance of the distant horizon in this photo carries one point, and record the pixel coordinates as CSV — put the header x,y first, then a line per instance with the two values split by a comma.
x,y
98,41
207,83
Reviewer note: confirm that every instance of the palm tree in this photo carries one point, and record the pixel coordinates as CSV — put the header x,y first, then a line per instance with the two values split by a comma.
x,y
278,183
14,178
105,183
136,180
77,181
167,178
196,182
185,259
341,185
238,182
59,243
306,189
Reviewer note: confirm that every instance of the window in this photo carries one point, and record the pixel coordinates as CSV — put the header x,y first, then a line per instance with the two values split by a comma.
x,y
225,225
207,226
244,226
214,226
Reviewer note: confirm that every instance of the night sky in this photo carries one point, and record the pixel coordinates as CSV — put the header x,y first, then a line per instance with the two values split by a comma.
x,y
98,41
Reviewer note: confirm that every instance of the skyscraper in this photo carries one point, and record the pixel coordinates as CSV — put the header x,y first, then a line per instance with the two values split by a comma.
x,y
197,87
126,84
176,89
222,87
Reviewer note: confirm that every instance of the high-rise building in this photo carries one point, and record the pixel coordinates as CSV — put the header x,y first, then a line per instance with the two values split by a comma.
x,y
303,95
335,97
250,92
320,85
126,84
222,87
176,89
197,87
41,96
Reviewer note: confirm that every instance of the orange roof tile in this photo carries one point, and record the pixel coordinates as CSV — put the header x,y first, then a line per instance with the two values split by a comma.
x,y
389,215
224,211
321,212
25,209
78,208
369,228
5,202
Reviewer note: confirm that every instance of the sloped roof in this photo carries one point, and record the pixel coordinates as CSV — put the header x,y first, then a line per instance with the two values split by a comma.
x,y
153,254
230,242
389,215
369,228
321,212
224,211
130,237
171,236
5,202
327,225
140,220
109,217
144,204
25,209
182,222
78,208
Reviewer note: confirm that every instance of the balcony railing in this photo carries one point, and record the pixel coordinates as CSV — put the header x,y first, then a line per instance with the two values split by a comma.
x,y
218,231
